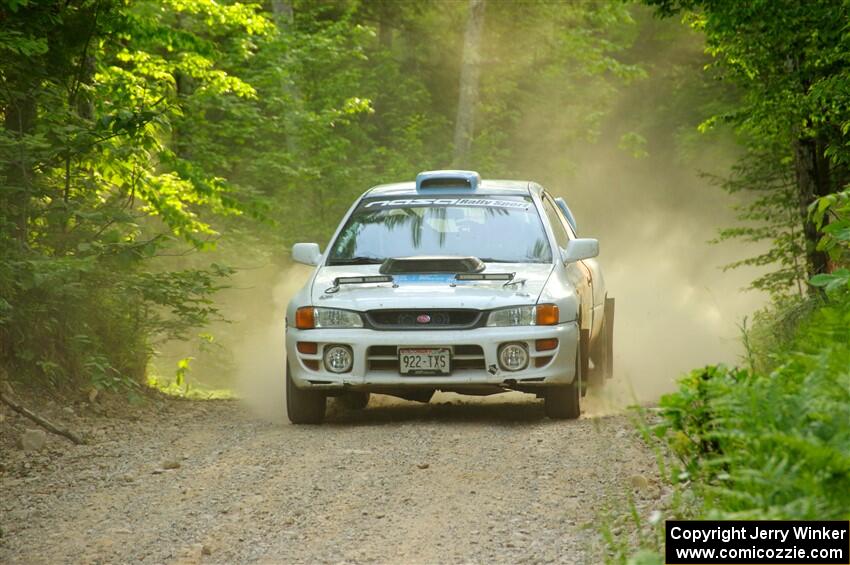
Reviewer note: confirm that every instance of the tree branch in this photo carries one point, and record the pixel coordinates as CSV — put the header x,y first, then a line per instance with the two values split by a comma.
x,y
6,398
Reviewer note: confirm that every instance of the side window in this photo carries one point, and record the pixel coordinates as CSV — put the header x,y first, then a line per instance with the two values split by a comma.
x,y
561,235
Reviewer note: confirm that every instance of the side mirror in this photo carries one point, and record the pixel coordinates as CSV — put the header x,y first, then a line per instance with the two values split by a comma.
x,y
578,249
307,253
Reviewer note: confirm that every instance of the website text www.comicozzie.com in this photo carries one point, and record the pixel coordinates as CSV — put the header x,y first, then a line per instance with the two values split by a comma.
x,y
695,542
778,553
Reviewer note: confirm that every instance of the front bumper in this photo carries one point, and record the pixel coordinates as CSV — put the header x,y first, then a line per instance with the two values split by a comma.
x,y
371,371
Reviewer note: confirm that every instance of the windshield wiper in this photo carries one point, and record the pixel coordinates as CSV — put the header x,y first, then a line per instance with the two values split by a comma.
x,y
359,260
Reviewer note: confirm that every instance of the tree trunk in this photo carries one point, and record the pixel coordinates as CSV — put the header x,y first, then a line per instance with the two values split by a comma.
x,y
469,74
385,30
184,86
284,17
283,12
20,119
812,171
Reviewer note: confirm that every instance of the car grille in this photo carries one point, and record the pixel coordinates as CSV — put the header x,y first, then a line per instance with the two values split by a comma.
x,y
464,357
456,319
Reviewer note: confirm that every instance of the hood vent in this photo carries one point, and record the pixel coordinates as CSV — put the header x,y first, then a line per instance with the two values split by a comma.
x,y
431,265
447,180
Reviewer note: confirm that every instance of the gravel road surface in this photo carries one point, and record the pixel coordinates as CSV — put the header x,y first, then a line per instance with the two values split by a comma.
x,y
455,481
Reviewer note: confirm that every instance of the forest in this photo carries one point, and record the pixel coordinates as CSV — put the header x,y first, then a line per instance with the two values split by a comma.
x,y
155,153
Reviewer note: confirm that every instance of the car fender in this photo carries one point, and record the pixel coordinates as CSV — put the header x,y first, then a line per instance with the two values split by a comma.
x,y
560,290
599,292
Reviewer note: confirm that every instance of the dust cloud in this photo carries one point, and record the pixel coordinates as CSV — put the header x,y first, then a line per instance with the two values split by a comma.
x,y
260,356
655,215
676,309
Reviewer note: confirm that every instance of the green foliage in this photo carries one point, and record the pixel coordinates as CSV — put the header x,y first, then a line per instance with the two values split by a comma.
x,y
790,61
769,214
92,189
773,445
790,58
82,319
136,133
831,214
541,63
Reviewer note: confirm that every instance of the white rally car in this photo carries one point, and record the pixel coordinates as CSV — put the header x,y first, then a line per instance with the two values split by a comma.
x,y
450,283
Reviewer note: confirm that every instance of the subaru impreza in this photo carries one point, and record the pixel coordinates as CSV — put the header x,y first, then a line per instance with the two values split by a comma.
x,y
449,283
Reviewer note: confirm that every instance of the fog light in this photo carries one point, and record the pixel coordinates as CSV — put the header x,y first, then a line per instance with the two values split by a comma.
x,y
338,358
513,356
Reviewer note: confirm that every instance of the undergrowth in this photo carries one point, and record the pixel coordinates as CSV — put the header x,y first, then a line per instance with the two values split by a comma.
x,y
766,441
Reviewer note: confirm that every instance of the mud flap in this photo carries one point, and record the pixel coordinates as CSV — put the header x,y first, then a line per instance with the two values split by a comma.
x,y
584,354
609,337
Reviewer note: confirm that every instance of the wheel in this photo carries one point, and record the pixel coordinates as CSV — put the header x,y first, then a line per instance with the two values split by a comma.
x,y
564,402
353,400
303,406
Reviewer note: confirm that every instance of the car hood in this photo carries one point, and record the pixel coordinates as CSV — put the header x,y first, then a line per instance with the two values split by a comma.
x,y
430,291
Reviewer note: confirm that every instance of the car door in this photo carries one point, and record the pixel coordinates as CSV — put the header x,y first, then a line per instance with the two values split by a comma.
x,y
577,273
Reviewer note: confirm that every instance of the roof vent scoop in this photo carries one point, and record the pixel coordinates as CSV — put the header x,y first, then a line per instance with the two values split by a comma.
x,y
447,180
431,265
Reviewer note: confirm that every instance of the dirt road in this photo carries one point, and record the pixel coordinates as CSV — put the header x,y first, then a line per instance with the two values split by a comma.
x,y
491,482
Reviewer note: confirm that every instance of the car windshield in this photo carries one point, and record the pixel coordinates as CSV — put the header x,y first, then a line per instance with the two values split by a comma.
x,y
505,229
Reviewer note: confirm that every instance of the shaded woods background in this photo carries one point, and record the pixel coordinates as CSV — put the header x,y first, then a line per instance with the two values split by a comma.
x,y
154,152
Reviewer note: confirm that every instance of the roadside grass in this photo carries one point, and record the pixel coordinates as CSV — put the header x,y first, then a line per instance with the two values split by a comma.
x,y
635,538
770,440
181,387
186,390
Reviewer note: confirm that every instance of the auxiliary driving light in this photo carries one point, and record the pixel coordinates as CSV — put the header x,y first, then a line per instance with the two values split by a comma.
x,y
513,357
338,358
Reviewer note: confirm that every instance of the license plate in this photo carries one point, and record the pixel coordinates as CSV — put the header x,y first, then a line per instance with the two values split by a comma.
x,y
424,361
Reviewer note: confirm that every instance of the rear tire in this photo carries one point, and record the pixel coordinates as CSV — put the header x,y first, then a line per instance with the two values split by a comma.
x,y
303,406
564,402
353,400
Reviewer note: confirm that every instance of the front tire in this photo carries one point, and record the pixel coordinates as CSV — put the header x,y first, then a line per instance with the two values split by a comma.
x,y
564,402
303,406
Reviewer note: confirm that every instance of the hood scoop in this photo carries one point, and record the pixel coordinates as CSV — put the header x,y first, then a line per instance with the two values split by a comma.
x,y
431,265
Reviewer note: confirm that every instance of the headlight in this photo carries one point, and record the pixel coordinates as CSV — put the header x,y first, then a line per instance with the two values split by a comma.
x,y
309,317
515,316
540,315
